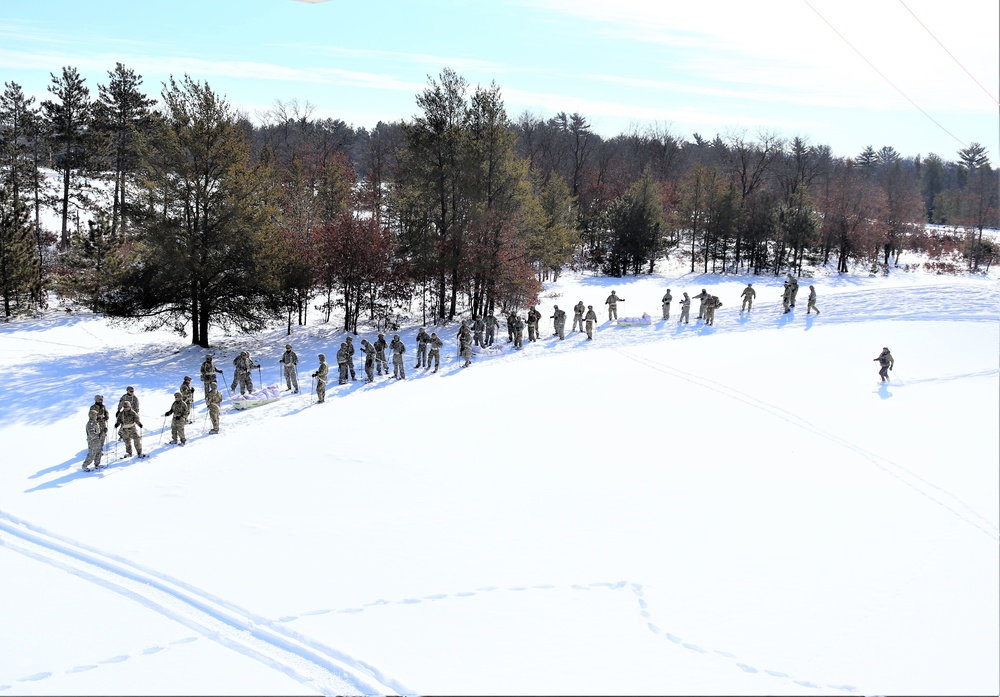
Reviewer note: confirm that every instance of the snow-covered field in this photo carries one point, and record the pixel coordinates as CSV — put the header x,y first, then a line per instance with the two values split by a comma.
x,y
736,509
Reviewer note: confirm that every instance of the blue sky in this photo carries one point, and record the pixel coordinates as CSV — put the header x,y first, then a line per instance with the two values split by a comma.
x,y
711,67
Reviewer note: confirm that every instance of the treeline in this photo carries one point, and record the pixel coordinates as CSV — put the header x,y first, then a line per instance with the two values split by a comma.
x,y
181,212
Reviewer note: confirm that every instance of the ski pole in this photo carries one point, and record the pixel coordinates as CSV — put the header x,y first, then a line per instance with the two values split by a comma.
x,y
162,429
260,377
226,383
204,425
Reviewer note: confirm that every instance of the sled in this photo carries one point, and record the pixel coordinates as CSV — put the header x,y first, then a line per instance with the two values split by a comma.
x,y
643,321
255,399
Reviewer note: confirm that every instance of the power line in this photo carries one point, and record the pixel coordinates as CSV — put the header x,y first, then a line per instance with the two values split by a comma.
x,y
958,62
905,96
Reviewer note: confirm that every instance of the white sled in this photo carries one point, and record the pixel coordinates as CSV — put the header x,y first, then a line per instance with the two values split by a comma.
x,y
643,321
266,395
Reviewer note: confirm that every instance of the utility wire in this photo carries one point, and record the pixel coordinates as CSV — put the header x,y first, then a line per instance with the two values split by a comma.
x,y
988,94
905,96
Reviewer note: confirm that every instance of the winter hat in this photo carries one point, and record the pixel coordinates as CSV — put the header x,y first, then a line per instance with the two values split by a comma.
x,y
177,395
98,398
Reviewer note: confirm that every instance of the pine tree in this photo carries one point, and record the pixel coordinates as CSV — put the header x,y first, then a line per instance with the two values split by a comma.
x,y
18,263
67,123
211,223
122,113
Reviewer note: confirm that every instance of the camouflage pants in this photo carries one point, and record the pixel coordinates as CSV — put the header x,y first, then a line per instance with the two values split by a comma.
x,y
577,323
490,335
812,306
478,338
130,434
342,373
421,355
532,331
709,315
320,389
685,314
209,385
381,364
701,310
795,291
467,354
435,358
786,303
398,371
666,310
518,340
244,381
213,414
291,377
612,311
590,329
747,304
370,369
95,449
177,424
561,329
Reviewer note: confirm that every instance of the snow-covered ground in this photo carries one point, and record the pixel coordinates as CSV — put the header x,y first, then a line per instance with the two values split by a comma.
x,y
668,509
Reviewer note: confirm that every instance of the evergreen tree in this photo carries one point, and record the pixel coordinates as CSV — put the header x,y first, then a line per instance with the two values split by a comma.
x,y
67,123
19,273
122,113
211,223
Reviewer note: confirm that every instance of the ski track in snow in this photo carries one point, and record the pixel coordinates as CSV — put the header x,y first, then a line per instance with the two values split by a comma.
x,y
312,664
643,607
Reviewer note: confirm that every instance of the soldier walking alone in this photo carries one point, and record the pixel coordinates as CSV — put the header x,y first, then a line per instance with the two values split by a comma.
x,y
886,363
612,303
812,300
748,295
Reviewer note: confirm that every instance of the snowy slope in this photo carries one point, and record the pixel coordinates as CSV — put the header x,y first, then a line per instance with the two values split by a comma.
x,y
669,509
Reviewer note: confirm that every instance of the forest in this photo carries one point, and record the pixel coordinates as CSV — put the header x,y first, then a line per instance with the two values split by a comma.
x,y
180,211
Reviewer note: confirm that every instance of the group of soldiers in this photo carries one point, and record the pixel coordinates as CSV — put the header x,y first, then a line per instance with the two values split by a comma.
x,y
709,303
481,332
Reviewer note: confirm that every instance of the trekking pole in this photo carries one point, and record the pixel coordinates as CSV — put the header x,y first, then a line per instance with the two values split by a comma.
x,y
204,425
162,428
226,383
260,376
116,447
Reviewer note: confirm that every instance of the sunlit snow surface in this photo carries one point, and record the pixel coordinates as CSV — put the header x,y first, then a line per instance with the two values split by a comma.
x,y
736,509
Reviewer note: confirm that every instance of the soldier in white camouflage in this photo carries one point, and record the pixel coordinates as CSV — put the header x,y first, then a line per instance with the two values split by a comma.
x,y
321,375
214,401
369,350
350,357
187,391
242,376
590,319
491,323
435,352
811,305
129,397
423,338
559,322
748,295
128,425
342,358
398,349
578,311
666,300
95,442
290,362
208,373
380,360
793,284
685,309
178,412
